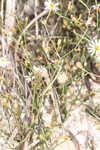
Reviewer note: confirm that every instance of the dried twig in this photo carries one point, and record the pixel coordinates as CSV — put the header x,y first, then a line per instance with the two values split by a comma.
x,y
31,23
74,140
10,19
3,37
36,23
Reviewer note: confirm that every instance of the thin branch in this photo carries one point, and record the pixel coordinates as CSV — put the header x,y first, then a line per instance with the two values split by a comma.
x,y
3,37
32,22
36,23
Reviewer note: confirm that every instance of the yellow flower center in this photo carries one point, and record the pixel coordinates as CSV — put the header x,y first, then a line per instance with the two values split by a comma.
x,y
5,102
3,60
97,47
51,5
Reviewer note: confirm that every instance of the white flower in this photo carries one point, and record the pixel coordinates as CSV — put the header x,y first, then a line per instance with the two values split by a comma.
x,y
41,70
50,5
4,62
94,47
29,78
97,58
62,78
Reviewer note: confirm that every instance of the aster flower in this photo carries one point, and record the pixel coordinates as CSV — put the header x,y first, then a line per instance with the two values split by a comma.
x,y
94,47
29,78
97,58
50,5
4,62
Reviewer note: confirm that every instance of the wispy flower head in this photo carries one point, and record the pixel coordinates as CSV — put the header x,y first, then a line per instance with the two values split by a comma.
x,y
4,62
50,5
62,78
94,47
